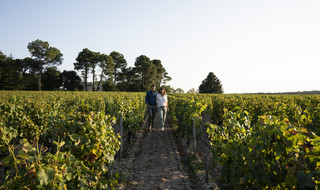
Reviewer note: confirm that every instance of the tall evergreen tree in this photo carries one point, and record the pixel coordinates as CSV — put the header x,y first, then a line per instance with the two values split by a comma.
x,y
129,80
106,66
29,72
71,81
51,79
29,65
161,75
120,64
83,64
11,77
146,71
2,56
94,60
211,84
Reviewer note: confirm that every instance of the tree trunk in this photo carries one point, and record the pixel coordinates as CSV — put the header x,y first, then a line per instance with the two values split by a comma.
x,y
98,88
142,82
93,72
115,76
86,79
39,81
40,73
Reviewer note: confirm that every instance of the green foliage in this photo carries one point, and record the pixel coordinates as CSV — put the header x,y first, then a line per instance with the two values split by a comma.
x,y
51,79
211,84
161,75
71,81
83,64
119,64
271,154
88,60
149,72
11,77
43,55
109,71
63,140
168,88
146,72
261,142
186,112
108,85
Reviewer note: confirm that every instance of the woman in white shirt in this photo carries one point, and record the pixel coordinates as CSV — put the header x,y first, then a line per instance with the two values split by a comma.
x,y
162,102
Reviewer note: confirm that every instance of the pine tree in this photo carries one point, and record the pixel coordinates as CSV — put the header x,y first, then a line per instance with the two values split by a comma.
x,y
211,84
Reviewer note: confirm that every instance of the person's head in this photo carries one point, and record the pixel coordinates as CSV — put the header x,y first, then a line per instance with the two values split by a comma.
x,y
153,87
162,91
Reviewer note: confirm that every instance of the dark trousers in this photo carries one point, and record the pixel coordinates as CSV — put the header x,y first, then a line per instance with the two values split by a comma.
x,y
152,110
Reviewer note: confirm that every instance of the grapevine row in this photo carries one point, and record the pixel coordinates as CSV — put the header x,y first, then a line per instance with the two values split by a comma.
x,y
260,142
58,140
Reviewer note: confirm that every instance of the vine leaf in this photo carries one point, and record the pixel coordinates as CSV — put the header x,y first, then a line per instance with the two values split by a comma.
x,y
43,177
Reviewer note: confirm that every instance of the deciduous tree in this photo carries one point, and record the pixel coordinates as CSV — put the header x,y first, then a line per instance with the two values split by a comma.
x,y
178,90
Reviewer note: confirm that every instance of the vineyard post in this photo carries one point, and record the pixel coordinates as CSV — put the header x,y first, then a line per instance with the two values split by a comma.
x,y
206,168
121,134
194,138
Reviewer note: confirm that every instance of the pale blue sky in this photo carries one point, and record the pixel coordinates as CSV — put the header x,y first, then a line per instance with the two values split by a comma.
x,y
250,45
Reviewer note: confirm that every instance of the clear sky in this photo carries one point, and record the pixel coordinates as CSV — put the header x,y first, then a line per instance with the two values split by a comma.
x,y
250,45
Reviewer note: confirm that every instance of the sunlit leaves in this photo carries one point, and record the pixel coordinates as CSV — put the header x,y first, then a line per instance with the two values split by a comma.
x,y
64,140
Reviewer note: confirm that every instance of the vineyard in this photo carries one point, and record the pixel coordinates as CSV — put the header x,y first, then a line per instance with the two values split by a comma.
x,y
260,142
69,140
63,140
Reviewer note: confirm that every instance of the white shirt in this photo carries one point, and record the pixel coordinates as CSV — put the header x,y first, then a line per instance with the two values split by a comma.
x,y
162,100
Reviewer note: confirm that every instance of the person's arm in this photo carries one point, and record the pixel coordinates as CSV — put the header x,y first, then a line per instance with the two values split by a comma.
x,y
167,106
167,103
157,100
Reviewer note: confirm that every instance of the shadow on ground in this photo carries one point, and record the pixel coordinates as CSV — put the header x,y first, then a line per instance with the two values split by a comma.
x,y
158,165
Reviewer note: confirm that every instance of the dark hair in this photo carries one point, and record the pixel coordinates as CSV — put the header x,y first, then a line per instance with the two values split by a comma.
x,y
162,88
152,85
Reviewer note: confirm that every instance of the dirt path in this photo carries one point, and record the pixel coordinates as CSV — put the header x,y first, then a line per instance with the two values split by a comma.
x,y
158,165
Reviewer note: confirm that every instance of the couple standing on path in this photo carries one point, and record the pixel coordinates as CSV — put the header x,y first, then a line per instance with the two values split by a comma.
x,y
157,100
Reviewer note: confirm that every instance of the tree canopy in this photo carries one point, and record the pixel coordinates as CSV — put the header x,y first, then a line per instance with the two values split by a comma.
x,y
43,55
211,84
83,64
109,71
70,81
119,64
10,73
149,72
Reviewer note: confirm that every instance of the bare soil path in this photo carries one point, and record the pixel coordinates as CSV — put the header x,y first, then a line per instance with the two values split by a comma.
x,y
158,166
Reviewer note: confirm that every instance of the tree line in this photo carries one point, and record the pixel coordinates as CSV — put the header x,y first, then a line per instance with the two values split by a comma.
x,y
97,70
111,72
